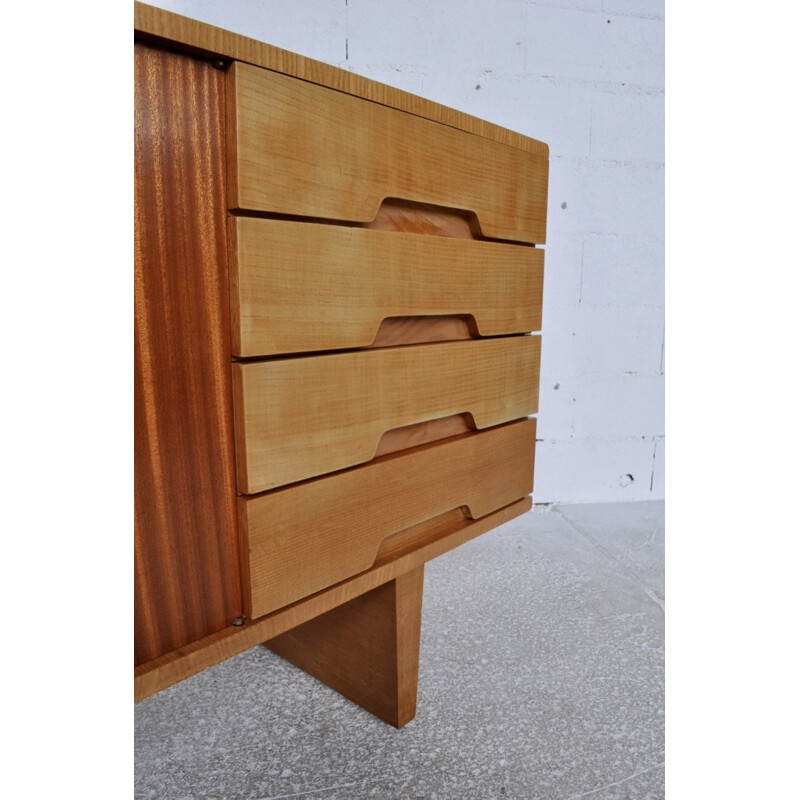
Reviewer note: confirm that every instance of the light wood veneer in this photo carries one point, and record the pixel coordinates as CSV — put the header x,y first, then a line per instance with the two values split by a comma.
x,y
302,538
300,417
309,287
297,148
334,286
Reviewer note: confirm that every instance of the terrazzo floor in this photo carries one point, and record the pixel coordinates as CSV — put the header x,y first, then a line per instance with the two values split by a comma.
x,y
541,676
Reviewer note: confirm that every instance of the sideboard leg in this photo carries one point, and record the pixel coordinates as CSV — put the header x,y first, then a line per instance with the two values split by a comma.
x,y
366,649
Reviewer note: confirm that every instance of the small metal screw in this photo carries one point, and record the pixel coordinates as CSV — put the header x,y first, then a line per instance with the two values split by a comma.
x,y
218,63
238,622
563,205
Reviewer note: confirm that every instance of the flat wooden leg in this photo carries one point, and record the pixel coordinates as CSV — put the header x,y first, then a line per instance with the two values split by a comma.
x,y
366,649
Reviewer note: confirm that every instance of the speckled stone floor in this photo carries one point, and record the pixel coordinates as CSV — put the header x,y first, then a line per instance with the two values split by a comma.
x,y
541,676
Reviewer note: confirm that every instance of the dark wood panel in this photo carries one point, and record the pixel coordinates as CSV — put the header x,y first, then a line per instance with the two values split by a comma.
x,y
187,578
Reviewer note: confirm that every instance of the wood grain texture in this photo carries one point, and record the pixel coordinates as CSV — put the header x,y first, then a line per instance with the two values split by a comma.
x,y
301,149
410,217
445,533
367,649
395,331
193,36
301,417
422,433
186,556
305,537
300,287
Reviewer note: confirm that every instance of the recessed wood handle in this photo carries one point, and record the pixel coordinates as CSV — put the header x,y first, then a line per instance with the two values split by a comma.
x,y
300,287
303,538
301,149
300,417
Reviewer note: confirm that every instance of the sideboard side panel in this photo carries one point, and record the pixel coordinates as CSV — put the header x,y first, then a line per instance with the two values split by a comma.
x,y
187,579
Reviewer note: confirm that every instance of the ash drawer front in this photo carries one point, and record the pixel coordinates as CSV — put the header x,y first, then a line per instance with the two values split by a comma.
x,y
298,148
303,538
303,286
300,417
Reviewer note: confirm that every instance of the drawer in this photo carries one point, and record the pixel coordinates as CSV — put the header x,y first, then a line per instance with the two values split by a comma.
x,y
301,149
300,417
304,286
303,538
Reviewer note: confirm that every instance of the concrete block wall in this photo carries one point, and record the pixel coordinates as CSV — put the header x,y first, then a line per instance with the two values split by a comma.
x,y
587,77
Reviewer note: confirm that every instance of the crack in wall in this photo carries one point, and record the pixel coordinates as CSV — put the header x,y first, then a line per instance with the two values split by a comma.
x,y
653,471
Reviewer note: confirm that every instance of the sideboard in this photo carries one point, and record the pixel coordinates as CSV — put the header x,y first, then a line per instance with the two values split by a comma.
x,y
338,289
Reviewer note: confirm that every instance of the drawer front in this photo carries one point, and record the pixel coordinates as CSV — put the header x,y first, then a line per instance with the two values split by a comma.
x,y
303,538
298,148
301,417
305,286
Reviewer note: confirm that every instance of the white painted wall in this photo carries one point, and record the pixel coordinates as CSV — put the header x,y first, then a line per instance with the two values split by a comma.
x,y
587,77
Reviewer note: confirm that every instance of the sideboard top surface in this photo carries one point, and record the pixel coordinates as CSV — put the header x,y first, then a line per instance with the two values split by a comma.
x,y
164,27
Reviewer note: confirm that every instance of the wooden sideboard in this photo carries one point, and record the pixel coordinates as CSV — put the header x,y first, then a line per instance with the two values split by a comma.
x,y
336,284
